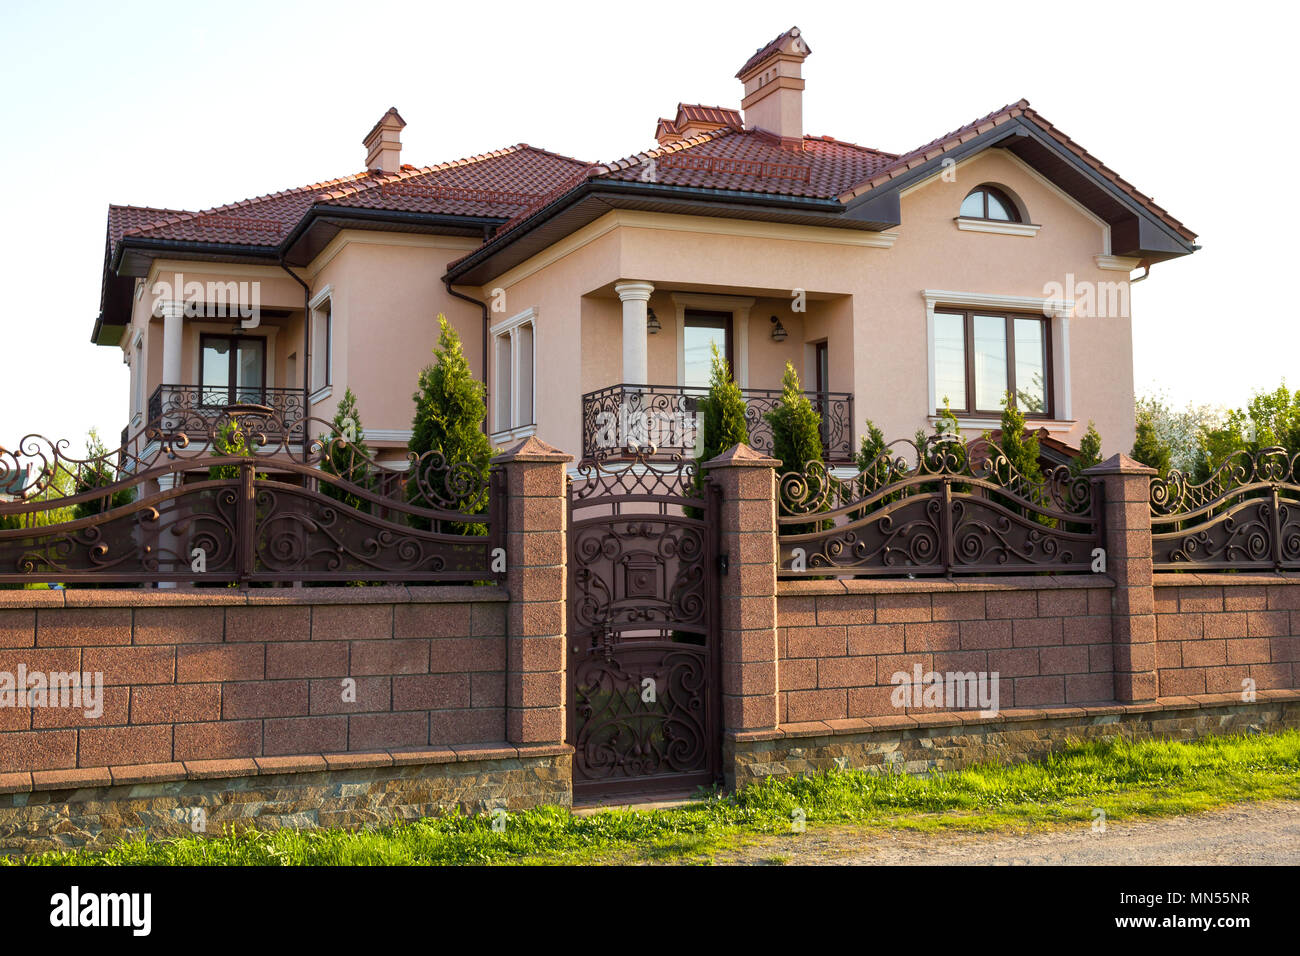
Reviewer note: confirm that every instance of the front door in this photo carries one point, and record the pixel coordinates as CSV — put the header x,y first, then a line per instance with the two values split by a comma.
x,y
644,701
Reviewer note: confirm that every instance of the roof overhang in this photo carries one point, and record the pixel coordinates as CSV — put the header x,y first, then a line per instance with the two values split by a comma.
x,y
1136,231
134,255
592,199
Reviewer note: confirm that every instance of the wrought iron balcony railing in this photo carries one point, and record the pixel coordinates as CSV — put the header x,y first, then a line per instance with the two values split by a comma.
x,y
669,418
191,407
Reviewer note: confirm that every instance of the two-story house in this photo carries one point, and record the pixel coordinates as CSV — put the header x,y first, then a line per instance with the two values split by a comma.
x,y
994,259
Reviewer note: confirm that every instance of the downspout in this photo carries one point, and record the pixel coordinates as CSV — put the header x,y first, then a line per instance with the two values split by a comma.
x,y
482,305
306,336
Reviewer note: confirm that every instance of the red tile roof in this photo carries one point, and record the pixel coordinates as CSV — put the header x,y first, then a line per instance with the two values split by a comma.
x,y
516,182
753,161
494,185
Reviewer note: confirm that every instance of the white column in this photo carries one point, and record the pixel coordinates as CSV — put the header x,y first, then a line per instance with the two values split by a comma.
x,y
173,327
635,297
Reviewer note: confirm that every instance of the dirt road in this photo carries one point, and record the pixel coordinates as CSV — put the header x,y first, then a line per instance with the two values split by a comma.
x,y
1262,833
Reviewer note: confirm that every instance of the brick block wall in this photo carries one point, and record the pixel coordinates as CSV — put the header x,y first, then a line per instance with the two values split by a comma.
x,y
1214,631
202,675
840,642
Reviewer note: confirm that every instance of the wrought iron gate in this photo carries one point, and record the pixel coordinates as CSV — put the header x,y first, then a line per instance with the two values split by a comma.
x,y
643,628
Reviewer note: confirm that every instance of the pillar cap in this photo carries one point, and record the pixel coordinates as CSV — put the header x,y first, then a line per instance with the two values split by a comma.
x,y
634,290
1120,465
742,456
531,448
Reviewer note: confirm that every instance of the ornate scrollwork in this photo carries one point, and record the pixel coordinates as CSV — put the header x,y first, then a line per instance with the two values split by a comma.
x,y
944,506
1245,515
321,508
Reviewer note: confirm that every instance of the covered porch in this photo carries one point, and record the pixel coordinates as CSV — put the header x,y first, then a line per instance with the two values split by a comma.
x,y
667,336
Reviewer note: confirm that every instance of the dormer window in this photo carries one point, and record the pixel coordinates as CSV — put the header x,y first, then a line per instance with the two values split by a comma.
x,y
989,202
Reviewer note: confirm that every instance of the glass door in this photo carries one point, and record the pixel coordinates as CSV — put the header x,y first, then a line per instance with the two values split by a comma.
x,y
703,331
232,370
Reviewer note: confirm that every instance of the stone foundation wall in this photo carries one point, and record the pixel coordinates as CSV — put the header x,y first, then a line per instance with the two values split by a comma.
x,y
953,741
346,791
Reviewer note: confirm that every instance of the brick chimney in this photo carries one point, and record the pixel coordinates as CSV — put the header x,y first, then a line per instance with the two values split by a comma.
x,y
384,143
774,86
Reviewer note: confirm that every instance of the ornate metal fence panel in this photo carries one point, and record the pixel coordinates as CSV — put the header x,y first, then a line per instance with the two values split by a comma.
x,y
944,508
643,625
194,408
245,500
669,417
1244,516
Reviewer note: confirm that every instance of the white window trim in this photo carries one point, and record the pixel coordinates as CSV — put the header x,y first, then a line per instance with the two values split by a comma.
x,y
510,327
1057,311
139,395
738,306
997,227
313,306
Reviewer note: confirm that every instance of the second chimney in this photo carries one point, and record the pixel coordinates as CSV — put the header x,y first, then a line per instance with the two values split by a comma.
x,y
774,86
384,143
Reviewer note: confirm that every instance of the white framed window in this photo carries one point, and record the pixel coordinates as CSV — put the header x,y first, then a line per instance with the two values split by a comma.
x,y
966,349
139,379
513,377
321,336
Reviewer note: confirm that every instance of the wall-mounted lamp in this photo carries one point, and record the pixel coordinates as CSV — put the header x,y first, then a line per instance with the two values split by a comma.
x,y
778,330
652,322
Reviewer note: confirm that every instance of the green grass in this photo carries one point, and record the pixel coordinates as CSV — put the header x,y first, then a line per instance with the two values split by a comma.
x,y
1125,779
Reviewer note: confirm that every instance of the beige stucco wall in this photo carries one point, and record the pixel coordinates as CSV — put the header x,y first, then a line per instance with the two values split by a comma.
x,y
865,301
386,294
863,296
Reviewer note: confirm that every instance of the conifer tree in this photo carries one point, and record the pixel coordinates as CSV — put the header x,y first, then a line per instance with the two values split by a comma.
x,y
449,414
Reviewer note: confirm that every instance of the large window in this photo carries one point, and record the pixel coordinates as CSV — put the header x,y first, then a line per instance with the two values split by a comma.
x,y
980,356
322,345
232,369
704,330
512,373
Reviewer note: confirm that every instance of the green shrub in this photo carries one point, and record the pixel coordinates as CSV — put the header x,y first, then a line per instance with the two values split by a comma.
x,y
449,415
346,455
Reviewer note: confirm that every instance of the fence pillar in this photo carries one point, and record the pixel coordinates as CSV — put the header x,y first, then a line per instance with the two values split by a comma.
x,y
536,543
747,480
1126,520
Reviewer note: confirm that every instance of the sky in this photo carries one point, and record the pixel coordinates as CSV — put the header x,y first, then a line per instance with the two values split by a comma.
x,y
194,105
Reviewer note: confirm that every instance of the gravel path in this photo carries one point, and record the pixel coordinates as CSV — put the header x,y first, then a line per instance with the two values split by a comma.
x,y
1256,833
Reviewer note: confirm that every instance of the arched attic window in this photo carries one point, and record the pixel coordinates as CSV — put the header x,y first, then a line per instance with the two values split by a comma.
x,y
989,202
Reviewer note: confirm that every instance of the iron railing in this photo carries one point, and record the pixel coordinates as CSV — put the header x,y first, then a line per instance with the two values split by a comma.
x,y
668,417
1244,516
945,507
192,408
185,507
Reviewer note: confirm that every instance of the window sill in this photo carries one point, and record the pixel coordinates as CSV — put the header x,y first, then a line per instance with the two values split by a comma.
x,y
992,423
321,394
997,227
513,434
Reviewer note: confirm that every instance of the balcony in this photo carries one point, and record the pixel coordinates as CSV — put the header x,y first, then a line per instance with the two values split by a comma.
x,y
668,417
194,408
